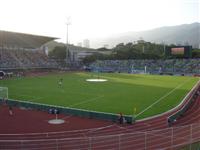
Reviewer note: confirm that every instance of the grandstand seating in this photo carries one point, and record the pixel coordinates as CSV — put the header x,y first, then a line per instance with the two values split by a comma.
x,y
21,59
175,66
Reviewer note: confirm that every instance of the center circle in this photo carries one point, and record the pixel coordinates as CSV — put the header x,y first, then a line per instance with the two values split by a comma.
x,y
96,80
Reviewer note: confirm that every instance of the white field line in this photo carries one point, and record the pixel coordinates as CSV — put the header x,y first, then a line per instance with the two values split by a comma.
x,y
86,101
32,97
77,93
36,98
23,95
198,83
161,98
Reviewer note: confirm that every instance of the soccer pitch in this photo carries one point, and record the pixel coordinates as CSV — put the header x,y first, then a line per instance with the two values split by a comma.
x,y
124,93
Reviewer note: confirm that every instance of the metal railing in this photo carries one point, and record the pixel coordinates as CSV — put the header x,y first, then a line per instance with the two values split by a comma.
x,y
169,138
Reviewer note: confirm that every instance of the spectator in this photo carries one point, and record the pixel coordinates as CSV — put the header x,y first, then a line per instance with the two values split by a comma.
x,y
10,111
121,118
50,111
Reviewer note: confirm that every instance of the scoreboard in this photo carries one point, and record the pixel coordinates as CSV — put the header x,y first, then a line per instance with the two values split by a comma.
x,y
178,51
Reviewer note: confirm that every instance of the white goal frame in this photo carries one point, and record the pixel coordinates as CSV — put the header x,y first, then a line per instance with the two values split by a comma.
x,y
5,95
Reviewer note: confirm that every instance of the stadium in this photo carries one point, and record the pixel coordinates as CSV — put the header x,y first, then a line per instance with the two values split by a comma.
x,y
48,103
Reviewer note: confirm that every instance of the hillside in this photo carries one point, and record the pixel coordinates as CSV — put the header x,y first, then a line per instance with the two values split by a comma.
x,y
181,34
52,44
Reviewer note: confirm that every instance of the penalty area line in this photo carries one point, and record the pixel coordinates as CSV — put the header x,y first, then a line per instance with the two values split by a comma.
x,y
32,98
86,101
161,98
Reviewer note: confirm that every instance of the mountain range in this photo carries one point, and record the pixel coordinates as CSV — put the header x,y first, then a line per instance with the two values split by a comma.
x,y
185,34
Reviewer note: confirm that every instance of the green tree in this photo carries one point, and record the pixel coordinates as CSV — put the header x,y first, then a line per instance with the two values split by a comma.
x,y
59,52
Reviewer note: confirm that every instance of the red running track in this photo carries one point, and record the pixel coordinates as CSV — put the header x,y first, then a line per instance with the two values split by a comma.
x,y
29,129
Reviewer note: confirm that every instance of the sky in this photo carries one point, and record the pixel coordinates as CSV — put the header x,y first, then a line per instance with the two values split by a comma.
x,y
94,18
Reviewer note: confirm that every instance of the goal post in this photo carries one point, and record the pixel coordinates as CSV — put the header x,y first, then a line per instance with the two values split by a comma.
x,y
3,92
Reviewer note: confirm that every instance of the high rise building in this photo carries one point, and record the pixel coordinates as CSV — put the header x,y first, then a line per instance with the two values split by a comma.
x,y
106,46
79,44
86,43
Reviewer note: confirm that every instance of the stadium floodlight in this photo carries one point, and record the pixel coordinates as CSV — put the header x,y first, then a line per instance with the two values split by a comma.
x,y
67,38
3,93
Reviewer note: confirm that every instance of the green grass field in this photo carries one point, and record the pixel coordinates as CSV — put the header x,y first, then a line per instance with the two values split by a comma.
x,y
121,93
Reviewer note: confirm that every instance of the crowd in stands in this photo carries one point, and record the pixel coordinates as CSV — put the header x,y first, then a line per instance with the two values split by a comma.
x,y
175,66
22,59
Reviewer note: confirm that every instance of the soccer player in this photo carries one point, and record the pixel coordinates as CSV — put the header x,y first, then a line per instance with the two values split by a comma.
x,y
60,82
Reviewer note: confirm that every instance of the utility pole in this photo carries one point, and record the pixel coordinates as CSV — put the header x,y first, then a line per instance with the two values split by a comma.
x,y
143,49
164,47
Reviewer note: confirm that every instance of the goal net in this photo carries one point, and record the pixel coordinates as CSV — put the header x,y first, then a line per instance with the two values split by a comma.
x,y
3,92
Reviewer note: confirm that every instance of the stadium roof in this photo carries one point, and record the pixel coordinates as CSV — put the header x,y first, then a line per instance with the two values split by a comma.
x,y
22,40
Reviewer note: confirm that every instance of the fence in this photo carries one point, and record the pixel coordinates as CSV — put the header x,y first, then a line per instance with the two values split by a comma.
x,y
169,138
71,111
187,102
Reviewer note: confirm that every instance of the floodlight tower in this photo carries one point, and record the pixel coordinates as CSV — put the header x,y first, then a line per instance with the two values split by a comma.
x,y
67,39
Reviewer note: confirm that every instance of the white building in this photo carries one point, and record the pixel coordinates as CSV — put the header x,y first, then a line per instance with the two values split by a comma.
x,y
86,43
78,53
79,44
